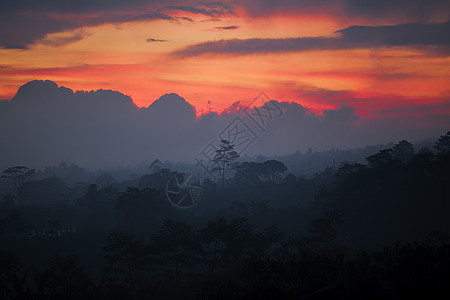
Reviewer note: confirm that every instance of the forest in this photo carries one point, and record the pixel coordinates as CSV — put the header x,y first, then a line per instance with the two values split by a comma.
x,y
378,229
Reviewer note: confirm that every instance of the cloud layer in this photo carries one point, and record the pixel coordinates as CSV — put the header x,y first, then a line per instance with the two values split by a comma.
x,y
45,124
353,37
24,22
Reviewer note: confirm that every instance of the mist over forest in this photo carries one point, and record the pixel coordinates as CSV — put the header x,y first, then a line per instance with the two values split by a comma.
x,y
45,124
216,150
100,199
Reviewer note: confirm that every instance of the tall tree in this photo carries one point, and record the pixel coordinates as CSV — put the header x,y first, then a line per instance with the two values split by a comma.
x,y
18,175
442,145
403,151
268,172
156,166
224,160
272,170
380,159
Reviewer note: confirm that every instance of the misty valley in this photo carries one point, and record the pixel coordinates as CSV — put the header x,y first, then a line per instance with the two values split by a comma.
x,y
254,149
376,228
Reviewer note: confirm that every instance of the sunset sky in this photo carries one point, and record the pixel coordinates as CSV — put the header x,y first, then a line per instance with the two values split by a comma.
x,y
384,58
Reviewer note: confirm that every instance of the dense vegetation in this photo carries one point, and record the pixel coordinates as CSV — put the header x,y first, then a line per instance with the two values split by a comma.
x,y
363,231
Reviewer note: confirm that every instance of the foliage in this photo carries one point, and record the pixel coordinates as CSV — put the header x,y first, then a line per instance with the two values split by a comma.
x,y
18,175
382,158
442,145
253,173
403,151
224,160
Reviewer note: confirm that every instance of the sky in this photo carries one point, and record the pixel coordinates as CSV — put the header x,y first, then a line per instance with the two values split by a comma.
x,y
386,63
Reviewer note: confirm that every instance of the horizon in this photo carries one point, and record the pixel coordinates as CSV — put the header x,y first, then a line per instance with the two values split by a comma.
x,y
60,124
345,74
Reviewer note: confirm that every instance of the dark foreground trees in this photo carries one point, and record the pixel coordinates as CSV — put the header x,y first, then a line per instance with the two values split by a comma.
x,y
230,259
224,160
18,175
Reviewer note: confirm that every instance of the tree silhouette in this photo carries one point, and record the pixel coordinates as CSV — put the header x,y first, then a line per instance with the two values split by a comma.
x,y
442,145
268,172
105,180
272,170
248,173
12,277
156,166
224,160
18,175
382,158
177,243
403,151
128,262
64,278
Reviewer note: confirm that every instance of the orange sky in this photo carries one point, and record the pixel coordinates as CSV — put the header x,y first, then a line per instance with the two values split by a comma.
x,y
119,57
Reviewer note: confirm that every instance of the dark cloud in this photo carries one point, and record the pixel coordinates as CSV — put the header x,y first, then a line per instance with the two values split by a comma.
x,y
226,27
393,10
416,9
96,128
152,40
211,9
186,19
353,37
398,35
72,6
419,10
23,23
63,40
211,20
21,30
45,124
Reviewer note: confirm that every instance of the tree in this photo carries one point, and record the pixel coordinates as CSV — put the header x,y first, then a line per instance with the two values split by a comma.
x,y
18,175
224,160
128,262
272,170
135,209
63,278
403,151
158,179
382,158
176,242
248,173
225,241
51,190
105,180
268,172
156,166
442,145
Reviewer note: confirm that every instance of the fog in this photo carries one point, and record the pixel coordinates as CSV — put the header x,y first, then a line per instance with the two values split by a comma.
x,y
45,124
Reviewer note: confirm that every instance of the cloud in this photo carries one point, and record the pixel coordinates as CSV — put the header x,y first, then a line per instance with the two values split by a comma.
x,y
226,27
392,10
353,37
186,19
398,35
152,40
96,128
211,20
45,124
20,30
211,9
59,40
23,23
419,10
